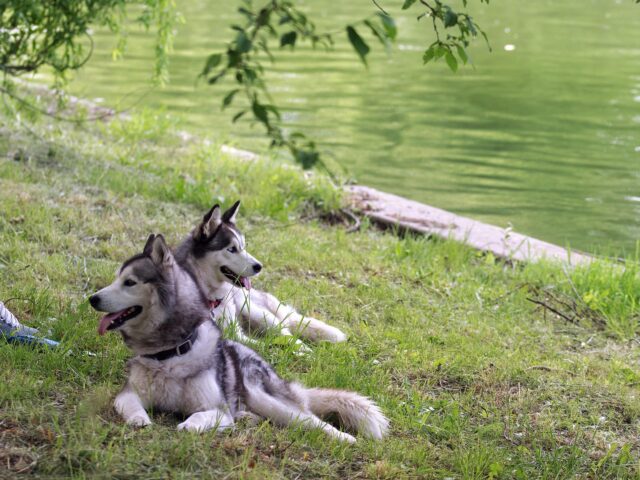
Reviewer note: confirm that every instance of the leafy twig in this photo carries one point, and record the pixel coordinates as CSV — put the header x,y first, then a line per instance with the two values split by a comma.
x,y
282,21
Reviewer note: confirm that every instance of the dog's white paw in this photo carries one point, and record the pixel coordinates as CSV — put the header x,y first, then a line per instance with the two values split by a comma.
x,y
345,437
338,336
191,426
139,421
203,421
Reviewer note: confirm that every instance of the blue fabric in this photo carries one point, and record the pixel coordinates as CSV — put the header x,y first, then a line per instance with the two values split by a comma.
x,y
8,329
31,340
14,332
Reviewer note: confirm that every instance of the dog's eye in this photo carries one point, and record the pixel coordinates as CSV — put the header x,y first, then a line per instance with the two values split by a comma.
x,y
129,283
232,250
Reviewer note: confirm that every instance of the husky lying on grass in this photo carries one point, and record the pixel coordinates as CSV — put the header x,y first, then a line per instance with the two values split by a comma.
x,y
216,253
182,363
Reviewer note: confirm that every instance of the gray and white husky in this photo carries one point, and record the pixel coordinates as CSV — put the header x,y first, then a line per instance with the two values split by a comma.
x,y
182,364
215,251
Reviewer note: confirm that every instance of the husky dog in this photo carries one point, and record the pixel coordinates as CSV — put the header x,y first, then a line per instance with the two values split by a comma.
x,y
216,253
183,364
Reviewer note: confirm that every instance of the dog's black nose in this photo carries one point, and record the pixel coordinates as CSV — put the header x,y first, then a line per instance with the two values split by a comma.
x,y
94,300
257,267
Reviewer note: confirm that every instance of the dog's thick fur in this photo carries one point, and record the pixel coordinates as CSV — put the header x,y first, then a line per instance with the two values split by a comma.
x,y
216,244
156,305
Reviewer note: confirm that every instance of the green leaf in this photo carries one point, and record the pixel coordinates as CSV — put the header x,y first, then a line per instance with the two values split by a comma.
x,y
243,43
263,17
462,54
260,112
250,75
237,116
212,62
486,39
217,77
451,61
281,340
440,50
378,33
389,25
471,26
407,4
358,43
288,38
246,13
450,18
273,109
226,101
306,158
429,54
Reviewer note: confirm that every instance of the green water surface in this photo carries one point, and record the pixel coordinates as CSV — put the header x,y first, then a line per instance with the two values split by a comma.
x,y
543,135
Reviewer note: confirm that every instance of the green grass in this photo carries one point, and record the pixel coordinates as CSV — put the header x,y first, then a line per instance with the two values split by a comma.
x,y
478,381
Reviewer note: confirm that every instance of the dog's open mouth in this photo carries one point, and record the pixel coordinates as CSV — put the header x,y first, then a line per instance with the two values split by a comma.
x,y
235,279
115,320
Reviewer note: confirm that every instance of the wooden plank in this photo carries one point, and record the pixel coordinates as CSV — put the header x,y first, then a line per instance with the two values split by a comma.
x,y
241,154
392,210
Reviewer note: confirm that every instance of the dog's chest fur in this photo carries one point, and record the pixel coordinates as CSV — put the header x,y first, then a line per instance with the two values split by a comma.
x,y
182,383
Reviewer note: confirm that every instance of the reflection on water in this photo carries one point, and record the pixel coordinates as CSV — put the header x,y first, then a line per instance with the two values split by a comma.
x,y
542,134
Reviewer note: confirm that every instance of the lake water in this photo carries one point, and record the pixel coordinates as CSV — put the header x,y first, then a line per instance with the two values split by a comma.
x,y
543,136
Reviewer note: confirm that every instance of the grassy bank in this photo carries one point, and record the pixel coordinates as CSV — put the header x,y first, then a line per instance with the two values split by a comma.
x,y
478,381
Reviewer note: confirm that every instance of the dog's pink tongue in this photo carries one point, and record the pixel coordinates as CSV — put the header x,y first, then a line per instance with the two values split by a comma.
x,y
246,283
106,321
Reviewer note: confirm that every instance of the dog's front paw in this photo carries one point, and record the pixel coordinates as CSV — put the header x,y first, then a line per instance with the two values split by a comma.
x,y
139,421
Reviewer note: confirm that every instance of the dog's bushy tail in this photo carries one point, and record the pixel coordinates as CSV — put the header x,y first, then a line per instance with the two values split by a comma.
x,y
356,412
307,327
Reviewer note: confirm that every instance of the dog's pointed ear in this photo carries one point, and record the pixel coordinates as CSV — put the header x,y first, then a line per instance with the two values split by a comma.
x,y
159,252
230,215
148,246
208,225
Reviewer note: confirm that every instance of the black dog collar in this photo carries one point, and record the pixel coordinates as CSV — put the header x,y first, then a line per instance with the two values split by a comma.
x,y
180,350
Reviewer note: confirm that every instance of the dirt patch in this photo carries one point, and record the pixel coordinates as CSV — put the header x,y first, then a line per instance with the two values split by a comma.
x,y
18,444
17,460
